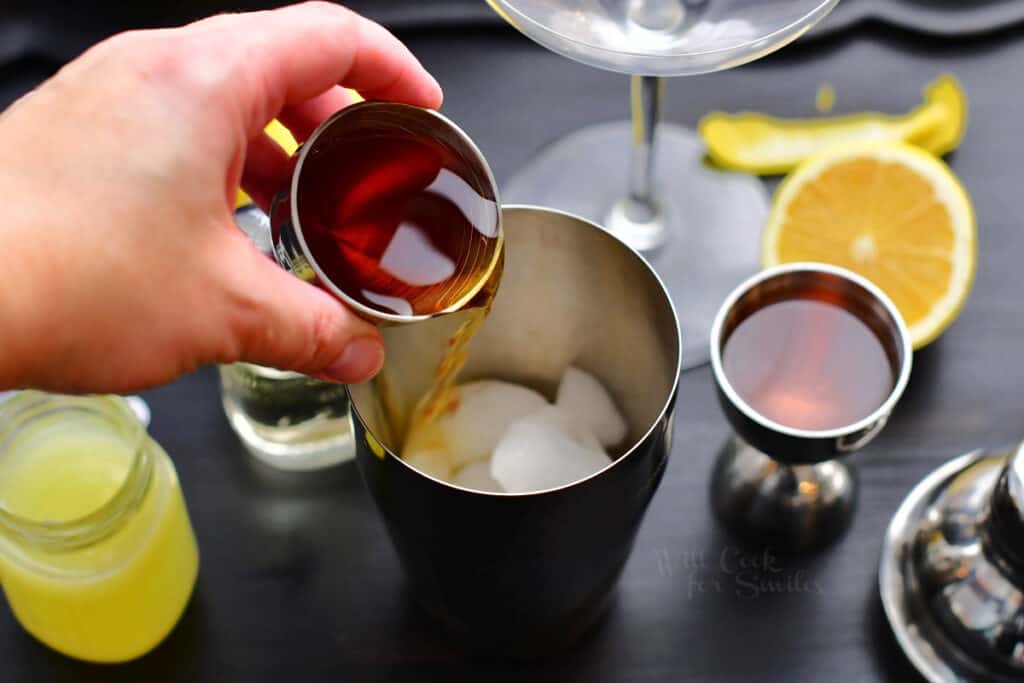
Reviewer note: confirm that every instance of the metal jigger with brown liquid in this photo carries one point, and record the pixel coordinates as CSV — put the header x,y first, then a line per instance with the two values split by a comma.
x,y
394,210
809,361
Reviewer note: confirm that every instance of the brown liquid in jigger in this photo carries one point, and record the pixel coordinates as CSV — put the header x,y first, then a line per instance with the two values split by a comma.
x,y
396,220
400,223
808,364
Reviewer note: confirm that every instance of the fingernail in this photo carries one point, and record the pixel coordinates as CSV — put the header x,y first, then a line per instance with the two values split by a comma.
x,y
361,360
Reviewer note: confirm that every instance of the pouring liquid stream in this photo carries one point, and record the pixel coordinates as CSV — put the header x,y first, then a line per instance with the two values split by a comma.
x,y
441,397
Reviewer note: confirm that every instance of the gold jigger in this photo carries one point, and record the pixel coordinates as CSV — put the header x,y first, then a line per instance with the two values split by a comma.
x,y
780,485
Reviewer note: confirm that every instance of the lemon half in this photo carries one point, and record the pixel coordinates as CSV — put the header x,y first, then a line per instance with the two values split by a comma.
x,y
891,212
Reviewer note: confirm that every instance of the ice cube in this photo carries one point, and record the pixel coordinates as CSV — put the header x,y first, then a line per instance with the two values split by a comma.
x,y
486,408
543,451
433,462
583,397
557,418
477,476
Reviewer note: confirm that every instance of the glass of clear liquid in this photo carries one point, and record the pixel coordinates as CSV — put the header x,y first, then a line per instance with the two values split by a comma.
x,y
286,420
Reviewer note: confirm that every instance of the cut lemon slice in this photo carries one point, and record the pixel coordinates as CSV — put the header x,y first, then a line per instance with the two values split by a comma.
x,y
891,212
761,144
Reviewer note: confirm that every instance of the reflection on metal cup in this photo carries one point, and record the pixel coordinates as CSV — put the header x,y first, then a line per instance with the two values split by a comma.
x,y
524,574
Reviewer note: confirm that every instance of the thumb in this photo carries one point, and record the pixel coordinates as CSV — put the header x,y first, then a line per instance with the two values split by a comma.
x,y
289,324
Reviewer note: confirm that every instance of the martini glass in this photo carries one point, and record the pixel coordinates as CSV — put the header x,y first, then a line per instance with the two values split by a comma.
x,y
647,182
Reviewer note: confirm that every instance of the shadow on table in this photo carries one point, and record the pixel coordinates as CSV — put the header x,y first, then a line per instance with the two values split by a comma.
x,y
923,376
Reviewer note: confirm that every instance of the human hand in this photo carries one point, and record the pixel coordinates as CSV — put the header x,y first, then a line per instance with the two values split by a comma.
x,y
122,265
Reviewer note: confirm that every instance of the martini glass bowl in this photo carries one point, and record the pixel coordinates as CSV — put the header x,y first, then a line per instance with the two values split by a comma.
x,y
647,182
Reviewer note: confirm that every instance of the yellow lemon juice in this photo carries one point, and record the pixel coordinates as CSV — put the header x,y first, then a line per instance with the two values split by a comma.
x,y
97,554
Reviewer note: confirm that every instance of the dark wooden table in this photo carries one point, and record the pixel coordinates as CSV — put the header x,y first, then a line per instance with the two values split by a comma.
x,y
299,582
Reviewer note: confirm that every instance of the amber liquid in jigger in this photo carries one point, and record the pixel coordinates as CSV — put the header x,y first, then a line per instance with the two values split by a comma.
x,y
402,224
808,364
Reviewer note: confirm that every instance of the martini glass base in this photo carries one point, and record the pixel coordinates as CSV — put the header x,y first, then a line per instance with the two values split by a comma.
x,y
703,236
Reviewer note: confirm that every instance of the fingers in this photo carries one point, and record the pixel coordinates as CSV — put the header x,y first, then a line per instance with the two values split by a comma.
x,y
266,171
401,81
303,118
287,56
285,323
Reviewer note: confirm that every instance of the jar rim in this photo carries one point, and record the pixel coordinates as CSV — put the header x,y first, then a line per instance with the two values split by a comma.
x,y
24,408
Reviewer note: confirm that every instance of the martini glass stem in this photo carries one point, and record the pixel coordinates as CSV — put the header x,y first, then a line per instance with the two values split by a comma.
x,y
638,219
646,94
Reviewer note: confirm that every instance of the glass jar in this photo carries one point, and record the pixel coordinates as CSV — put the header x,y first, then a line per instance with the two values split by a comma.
x,y
287,420
97,554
